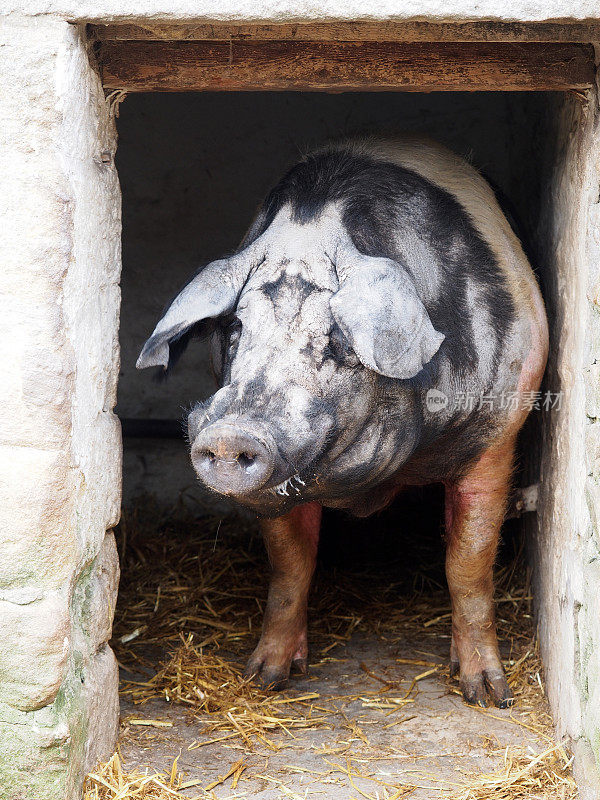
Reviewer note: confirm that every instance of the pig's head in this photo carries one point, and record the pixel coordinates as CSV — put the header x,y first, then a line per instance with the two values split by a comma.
x,y
306,334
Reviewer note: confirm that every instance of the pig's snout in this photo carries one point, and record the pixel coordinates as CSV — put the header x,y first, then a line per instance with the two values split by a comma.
x,y
232,460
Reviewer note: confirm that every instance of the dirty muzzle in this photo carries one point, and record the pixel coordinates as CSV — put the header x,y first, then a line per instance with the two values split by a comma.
x,y
232,460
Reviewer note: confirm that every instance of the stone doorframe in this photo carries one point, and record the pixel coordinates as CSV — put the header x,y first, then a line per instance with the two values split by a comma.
x,y
61,443
61,449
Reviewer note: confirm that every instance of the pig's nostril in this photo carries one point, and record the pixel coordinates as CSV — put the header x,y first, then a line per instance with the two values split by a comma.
x,y
246,460
232,460
206,454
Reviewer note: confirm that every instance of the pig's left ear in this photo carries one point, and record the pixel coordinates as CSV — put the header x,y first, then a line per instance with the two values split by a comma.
x,y
380,313
211,294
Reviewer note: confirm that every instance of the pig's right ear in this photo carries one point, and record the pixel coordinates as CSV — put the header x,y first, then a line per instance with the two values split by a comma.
x,y
212,293
380,313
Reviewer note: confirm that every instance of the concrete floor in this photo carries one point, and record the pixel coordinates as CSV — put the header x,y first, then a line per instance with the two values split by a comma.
x,y
430,744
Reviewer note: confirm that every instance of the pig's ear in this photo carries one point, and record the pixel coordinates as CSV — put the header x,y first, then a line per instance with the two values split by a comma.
x,y
212,293
379,311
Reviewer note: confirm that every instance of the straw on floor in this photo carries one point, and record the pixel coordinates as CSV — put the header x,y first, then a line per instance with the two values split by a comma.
x,y
191,602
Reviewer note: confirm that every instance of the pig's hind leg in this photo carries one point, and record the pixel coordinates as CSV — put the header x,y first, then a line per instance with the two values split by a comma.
x,y
475,508
291,543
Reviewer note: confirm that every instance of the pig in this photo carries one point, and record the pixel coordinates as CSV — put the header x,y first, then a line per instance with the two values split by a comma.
x,y
379,327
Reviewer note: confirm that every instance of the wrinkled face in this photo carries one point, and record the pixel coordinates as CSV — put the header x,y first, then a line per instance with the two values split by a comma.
x,y
294,392
309,332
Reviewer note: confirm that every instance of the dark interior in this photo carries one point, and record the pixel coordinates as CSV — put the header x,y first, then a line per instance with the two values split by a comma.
x,y
193,168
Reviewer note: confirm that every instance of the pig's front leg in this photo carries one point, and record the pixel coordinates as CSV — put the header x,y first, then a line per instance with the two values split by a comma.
x,y
291,543
475,507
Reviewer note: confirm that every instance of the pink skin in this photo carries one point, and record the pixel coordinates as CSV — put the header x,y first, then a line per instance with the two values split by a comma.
x,y
475,508
291,542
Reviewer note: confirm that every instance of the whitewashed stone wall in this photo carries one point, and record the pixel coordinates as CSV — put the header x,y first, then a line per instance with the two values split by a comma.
x,y
306,10
567,543
59,440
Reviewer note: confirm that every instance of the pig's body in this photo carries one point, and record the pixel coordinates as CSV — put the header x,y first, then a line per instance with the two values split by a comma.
x,y
385,329
479,290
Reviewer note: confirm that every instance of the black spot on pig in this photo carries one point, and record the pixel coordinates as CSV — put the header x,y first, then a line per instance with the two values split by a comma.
x,y
380,200
461,441
296,286
338,350
256,390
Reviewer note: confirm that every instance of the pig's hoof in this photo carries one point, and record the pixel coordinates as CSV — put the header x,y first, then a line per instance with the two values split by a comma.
x,y
498,688
272,676
476,689
267,677
299,666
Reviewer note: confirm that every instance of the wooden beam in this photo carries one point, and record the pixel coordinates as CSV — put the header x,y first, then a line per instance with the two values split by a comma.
x,y
143,66
409,31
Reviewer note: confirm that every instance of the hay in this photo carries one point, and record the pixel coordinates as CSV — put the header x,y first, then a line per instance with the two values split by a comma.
x,y
111,782
210,578
524,776
192,597
208,685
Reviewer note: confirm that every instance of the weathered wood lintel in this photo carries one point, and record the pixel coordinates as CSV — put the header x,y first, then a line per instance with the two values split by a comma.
x,y
411,31
247,65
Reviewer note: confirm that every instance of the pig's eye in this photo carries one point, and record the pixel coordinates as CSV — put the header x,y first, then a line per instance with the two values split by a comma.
x,y
233,331
339,350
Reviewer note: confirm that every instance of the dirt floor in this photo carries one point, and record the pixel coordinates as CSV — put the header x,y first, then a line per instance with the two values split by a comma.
x,y
365,746
377,717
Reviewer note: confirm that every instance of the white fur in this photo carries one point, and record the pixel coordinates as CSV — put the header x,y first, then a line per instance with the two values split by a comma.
x,y
453,174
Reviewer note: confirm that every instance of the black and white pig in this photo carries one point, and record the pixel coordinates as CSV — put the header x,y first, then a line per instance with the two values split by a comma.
x,y
380,326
